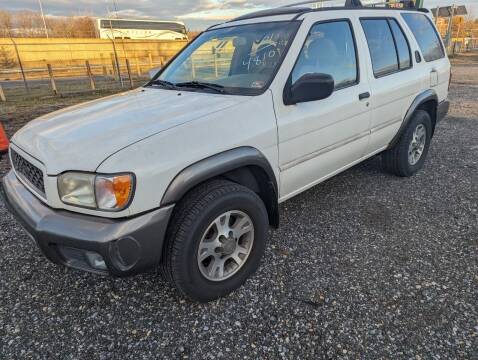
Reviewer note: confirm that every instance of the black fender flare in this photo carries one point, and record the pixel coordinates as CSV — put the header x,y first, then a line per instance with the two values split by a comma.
x,y
421,98
219,164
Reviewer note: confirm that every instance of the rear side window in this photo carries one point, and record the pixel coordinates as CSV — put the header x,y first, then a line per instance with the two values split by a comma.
x,y
426,36
329,49
381,46
403,49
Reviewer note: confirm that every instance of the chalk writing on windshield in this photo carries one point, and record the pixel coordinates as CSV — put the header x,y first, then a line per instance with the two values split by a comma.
x,y
261,57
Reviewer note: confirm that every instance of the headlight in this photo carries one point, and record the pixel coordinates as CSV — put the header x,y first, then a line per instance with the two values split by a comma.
x,y
103,192
77,189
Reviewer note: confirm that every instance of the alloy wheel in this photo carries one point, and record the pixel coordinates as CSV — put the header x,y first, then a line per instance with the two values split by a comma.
x,y
225,245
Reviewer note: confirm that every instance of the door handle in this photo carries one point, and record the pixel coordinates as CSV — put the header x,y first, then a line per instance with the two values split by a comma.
x,y
433,77
364,95
418,57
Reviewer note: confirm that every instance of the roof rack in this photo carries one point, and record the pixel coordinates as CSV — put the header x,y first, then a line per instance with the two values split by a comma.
x,y
400,4
348,3
298,8
271,12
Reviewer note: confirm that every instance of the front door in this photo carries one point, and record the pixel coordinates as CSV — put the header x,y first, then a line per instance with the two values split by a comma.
x,y
318,139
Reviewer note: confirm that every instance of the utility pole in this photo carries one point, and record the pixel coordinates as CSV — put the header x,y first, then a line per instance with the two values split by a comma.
x,y
43,18
449,32
116,8
118,69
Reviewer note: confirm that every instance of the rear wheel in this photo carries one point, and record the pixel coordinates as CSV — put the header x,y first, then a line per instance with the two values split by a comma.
x,y
216,240
409,154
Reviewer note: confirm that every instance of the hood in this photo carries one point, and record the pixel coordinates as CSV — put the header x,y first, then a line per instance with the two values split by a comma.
x,y
82,136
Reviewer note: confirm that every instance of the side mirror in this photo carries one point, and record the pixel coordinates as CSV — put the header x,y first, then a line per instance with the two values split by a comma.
x,y
152,72
309,87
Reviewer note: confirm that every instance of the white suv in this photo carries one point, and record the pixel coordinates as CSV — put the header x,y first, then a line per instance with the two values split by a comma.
x,y
186,173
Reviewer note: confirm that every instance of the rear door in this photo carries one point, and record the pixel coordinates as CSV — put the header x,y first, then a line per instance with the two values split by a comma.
x,y
395,80
320,138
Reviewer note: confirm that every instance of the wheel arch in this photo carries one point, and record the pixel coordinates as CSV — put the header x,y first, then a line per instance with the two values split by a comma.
x,y
428,101
244,165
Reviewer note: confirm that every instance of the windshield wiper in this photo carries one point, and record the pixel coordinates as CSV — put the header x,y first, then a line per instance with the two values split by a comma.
x,y
202,85
164,83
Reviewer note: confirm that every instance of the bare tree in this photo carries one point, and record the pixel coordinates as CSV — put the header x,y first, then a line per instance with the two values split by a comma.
x,y
29,23
5,23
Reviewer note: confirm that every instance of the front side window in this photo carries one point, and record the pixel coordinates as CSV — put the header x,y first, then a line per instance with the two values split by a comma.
x,y
237,60
426,36
381,46
329,49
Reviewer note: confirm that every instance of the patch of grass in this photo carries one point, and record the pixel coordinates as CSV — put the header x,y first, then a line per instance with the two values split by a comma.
x,y
21,109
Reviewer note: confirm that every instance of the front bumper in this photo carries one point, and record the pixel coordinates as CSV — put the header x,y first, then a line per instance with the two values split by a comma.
x,y
127,246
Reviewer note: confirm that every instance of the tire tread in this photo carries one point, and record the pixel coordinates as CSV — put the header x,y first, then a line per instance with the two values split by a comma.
x,y
185,213
395,159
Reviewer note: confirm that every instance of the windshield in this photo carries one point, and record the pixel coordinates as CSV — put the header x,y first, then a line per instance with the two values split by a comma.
x,y
238,59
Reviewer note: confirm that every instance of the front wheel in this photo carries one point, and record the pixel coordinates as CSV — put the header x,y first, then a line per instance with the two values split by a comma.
x,y
215,241
409,154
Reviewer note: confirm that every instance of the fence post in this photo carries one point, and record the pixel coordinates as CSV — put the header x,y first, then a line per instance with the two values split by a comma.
x,y
113,66
21,66
150,59
52,79
129,74
90,75
193,69
117,64
2,95
215,64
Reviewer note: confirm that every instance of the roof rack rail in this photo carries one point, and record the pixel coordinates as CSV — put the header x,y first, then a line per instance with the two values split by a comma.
x,y
298,8
401,4
348,3
272,12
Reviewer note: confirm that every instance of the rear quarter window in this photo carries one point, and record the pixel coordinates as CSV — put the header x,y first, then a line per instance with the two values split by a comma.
x,y
426,36
403,50
381,46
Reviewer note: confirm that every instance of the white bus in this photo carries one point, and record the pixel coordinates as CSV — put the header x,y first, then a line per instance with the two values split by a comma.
x,y
141,29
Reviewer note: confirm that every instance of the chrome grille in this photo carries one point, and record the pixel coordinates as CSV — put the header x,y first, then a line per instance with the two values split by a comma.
x,y
28,171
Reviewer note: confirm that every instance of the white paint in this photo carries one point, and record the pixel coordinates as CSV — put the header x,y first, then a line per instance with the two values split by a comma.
x,y
156,133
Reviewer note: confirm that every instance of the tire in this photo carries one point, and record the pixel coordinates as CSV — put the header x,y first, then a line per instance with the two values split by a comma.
x,y
401,160
199,212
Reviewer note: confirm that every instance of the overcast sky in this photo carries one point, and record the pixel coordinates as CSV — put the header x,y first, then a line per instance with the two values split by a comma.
x,y
197,14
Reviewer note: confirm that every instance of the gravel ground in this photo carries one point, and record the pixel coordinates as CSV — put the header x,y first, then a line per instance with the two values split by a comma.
x,y
365,265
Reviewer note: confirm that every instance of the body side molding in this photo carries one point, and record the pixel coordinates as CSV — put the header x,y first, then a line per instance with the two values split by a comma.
x,y
216,165
420,99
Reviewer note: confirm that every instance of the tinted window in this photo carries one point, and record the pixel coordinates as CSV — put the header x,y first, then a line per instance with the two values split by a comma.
x,y
329,49
381,46
402,45
426,36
